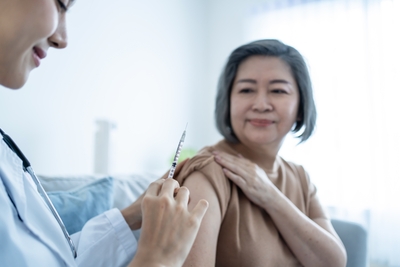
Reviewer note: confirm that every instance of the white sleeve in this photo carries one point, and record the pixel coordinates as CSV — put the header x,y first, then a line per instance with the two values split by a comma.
x,y
105,240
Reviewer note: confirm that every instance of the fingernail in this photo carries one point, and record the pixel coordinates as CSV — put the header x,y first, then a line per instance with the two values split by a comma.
x,y
215,152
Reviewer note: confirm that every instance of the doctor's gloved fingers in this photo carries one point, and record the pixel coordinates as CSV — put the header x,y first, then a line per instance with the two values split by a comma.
x,y
182,196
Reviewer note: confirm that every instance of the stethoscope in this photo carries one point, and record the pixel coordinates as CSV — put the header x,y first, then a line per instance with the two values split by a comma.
x,y
28,168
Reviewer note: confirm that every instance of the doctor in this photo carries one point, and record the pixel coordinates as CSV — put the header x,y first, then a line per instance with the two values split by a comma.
x,y
30,234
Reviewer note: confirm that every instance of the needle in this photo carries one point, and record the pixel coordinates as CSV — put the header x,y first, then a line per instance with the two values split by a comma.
x,y
177,153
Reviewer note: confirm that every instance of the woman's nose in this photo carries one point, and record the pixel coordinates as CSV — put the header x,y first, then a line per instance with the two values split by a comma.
x,y
59,38
262,103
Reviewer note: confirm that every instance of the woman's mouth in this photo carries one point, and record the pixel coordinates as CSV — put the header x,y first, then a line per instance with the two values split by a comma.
x,y
38,54
260,122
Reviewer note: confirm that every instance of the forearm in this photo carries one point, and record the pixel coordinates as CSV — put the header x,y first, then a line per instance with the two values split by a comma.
x,y
311,244
133,214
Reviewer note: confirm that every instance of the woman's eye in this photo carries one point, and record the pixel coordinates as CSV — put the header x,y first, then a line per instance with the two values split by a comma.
x,y
245,90
279,91
62,5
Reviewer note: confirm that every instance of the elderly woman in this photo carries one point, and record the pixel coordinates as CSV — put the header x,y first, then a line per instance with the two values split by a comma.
x,y
264,211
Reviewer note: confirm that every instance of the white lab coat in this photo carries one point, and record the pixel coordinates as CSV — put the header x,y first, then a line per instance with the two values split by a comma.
x,y
31,236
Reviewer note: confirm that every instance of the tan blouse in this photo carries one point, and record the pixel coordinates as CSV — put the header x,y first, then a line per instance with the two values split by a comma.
x,y
248,235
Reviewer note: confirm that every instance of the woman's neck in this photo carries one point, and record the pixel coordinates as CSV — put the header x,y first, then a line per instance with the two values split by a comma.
x,y
264,157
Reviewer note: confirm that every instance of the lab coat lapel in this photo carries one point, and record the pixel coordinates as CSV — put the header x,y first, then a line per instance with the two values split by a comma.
x,y
30,206
12,175
42,223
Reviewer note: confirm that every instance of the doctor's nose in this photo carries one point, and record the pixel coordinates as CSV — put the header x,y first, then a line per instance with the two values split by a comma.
x,y
59,38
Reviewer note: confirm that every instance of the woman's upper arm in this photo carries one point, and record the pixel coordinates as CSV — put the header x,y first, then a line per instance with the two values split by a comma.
x,y
205,246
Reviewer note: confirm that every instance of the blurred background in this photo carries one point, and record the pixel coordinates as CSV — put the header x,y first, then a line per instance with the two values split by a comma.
x,y
135,72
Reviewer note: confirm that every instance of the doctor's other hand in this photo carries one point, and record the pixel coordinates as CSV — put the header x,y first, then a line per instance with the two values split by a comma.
x,y
133,213
169,228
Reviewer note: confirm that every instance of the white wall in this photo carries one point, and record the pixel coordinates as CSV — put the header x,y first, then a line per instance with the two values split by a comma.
x,y
226,30
149,67
135,63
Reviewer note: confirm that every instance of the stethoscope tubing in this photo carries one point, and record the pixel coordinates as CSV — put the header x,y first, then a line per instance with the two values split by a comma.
x,y
46,198
27,166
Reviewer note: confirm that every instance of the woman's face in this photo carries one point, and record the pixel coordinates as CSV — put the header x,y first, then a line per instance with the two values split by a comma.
x,y
264,101
28,28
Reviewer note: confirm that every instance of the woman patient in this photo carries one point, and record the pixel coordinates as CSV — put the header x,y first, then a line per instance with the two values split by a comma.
x,y
264,211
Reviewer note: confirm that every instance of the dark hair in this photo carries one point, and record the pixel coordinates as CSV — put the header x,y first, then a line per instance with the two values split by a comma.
x,y
307,113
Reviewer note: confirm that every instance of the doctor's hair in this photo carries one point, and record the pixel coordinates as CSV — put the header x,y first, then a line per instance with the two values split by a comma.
x,y
306,113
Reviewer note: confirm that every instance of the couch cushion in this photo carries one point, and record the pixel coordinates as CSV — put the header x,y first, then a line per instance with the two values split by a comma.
x,y
78,205
79,198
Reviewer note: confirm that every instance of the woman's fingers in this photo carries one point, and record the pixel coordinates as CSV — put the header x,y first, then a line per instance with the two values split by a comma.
x,y
233,163
238,180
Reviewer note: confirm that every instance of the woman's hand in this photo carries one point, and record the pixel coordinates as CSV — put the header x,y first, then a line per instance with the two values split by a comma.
x,y
251,179
133,213
168,228
313,241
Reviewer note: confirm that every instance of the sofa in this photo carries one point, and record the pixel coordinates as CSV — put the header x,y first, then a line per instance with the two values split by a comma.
x,y
79,198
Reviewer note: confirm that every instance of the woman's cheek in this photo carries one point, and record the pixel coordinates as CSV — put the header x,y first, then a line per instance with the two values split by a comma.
x,y
47,18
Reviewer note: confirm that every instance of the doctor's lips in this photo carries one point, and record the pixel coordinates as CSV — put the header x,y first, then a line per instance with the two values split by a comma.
x,y
261,122
38,54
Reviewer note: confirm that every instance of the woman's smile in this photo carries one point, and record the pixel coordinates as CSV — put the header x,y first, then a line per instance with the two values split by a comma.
x,y
262,123
37,55
264,101
27,43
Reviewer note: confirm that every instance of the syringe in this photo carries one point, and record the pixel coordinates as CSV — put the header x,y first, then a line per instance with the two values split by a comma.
x,y
177,153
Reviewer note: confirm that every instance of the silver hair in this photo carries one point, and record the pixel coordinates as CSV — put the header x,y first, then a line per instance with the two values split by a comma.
x,y
307,113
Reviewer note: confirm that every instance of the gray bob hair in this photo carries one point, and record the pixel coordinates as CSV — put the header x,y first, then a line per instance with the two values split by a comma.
x,y
307,113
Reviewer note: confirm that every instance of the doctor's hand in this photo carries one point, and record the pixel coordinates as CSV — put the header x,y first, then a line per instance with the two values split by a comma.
x,y
248,176
168,228
133,213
